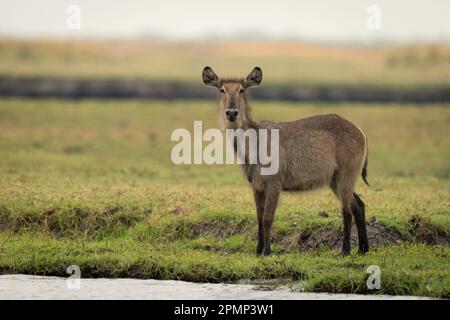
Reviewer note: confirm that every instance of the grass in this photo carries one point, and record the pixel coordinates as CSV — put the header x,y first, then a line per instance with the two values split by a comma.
x,y
91,183
402,67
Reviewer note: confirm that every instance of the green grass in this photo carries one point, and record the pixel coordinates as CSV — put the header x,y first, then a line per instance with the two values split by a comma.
x,y
91,183
405,270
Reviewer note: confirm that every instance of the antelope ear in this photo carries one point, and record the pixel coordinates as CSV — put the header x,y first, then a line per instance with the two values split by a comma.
x,y
210,78
254,78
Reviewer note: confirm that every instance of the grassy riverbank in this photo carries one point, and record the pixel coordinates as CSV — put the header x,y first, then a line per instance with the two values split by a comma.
x,y
91,183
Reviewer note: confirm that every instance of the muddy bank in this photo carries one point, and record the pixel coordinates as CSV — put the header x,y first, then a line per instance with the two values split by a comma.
x,y
140,89
378,235
38,287
419,231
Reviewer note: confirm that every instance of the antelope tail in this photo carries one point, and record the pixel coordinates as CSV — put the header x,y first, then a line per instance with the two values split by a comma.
x,y
364,171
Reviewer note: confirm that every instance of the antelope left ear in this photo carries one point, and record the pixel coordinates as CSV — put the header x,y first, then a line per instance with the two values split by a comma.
x,y
210,78
254,78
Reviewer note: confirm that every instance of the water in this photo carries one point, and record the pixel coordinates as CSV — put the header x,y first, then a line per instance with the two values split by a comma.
x,y
38,287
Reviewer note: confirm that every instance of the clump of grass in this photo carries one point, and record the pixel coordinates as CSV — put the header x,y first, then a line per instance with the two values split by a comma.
x,y
70,221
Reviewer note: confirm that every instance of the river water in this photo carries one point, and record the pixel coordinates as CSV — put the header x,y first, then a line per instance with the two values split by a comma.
x,y
39,287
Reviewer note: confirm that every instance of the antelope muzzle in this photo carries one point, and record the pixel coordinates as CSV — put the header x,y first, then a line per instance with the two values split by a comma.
x,y
231,114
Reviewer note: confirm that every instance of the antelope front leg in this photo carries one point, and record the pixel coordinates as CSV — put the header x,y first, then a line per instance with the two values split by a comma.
x,y
260,198
270,205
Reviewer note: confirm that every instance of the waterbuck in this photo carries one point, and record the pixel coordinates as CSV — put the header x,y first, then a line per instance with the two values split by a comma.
x,y
322,150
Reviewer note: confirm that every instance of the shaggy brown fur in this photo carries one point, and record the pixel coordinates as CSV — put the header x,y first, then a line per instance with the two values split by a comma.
x,y
323,150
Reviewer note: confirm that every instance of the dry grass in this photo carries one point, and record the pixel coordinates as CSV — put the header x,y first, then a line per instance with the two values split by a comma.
x,y
282,62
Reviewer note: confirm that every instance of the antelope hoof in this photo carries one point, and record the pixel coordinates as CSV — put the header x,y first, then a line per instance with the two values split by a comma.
x,y
363,250
259,248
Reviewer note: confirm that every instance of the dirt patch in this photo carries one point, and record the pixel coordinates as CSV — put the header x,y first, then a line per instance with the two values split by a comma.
x,y
421,231
378,234
323,214
218,230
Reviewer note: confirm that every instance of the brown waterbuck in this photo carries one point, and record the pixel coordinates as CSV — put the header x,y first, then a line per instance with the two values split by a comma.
x,y
322,150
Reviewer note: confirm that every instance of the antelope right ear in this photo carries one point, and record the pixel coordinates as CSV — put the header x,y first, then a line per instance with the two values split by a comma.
x,y
210,78
254,78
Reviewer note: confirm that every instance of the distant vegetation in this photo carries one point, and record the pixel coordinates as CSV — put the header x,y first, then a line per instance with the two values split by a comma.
x,y
283,62
428,56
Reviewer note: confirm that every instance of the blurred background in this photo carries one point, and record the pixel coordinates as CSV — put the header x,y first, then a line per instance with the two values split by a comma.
x,y
308,51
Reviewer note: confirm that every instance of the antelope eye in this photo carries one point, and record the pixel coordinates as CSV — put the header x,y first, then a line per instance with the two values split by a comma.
x,y
221,90
241,91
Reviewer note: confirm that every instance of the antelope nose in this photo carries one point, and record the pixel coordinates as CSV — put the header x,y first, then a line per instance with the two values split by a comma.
x,y
231,114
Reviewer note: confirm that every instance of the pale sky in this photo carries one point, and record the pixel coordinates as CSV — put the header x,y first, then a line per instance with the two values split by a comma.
x,y
318,20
